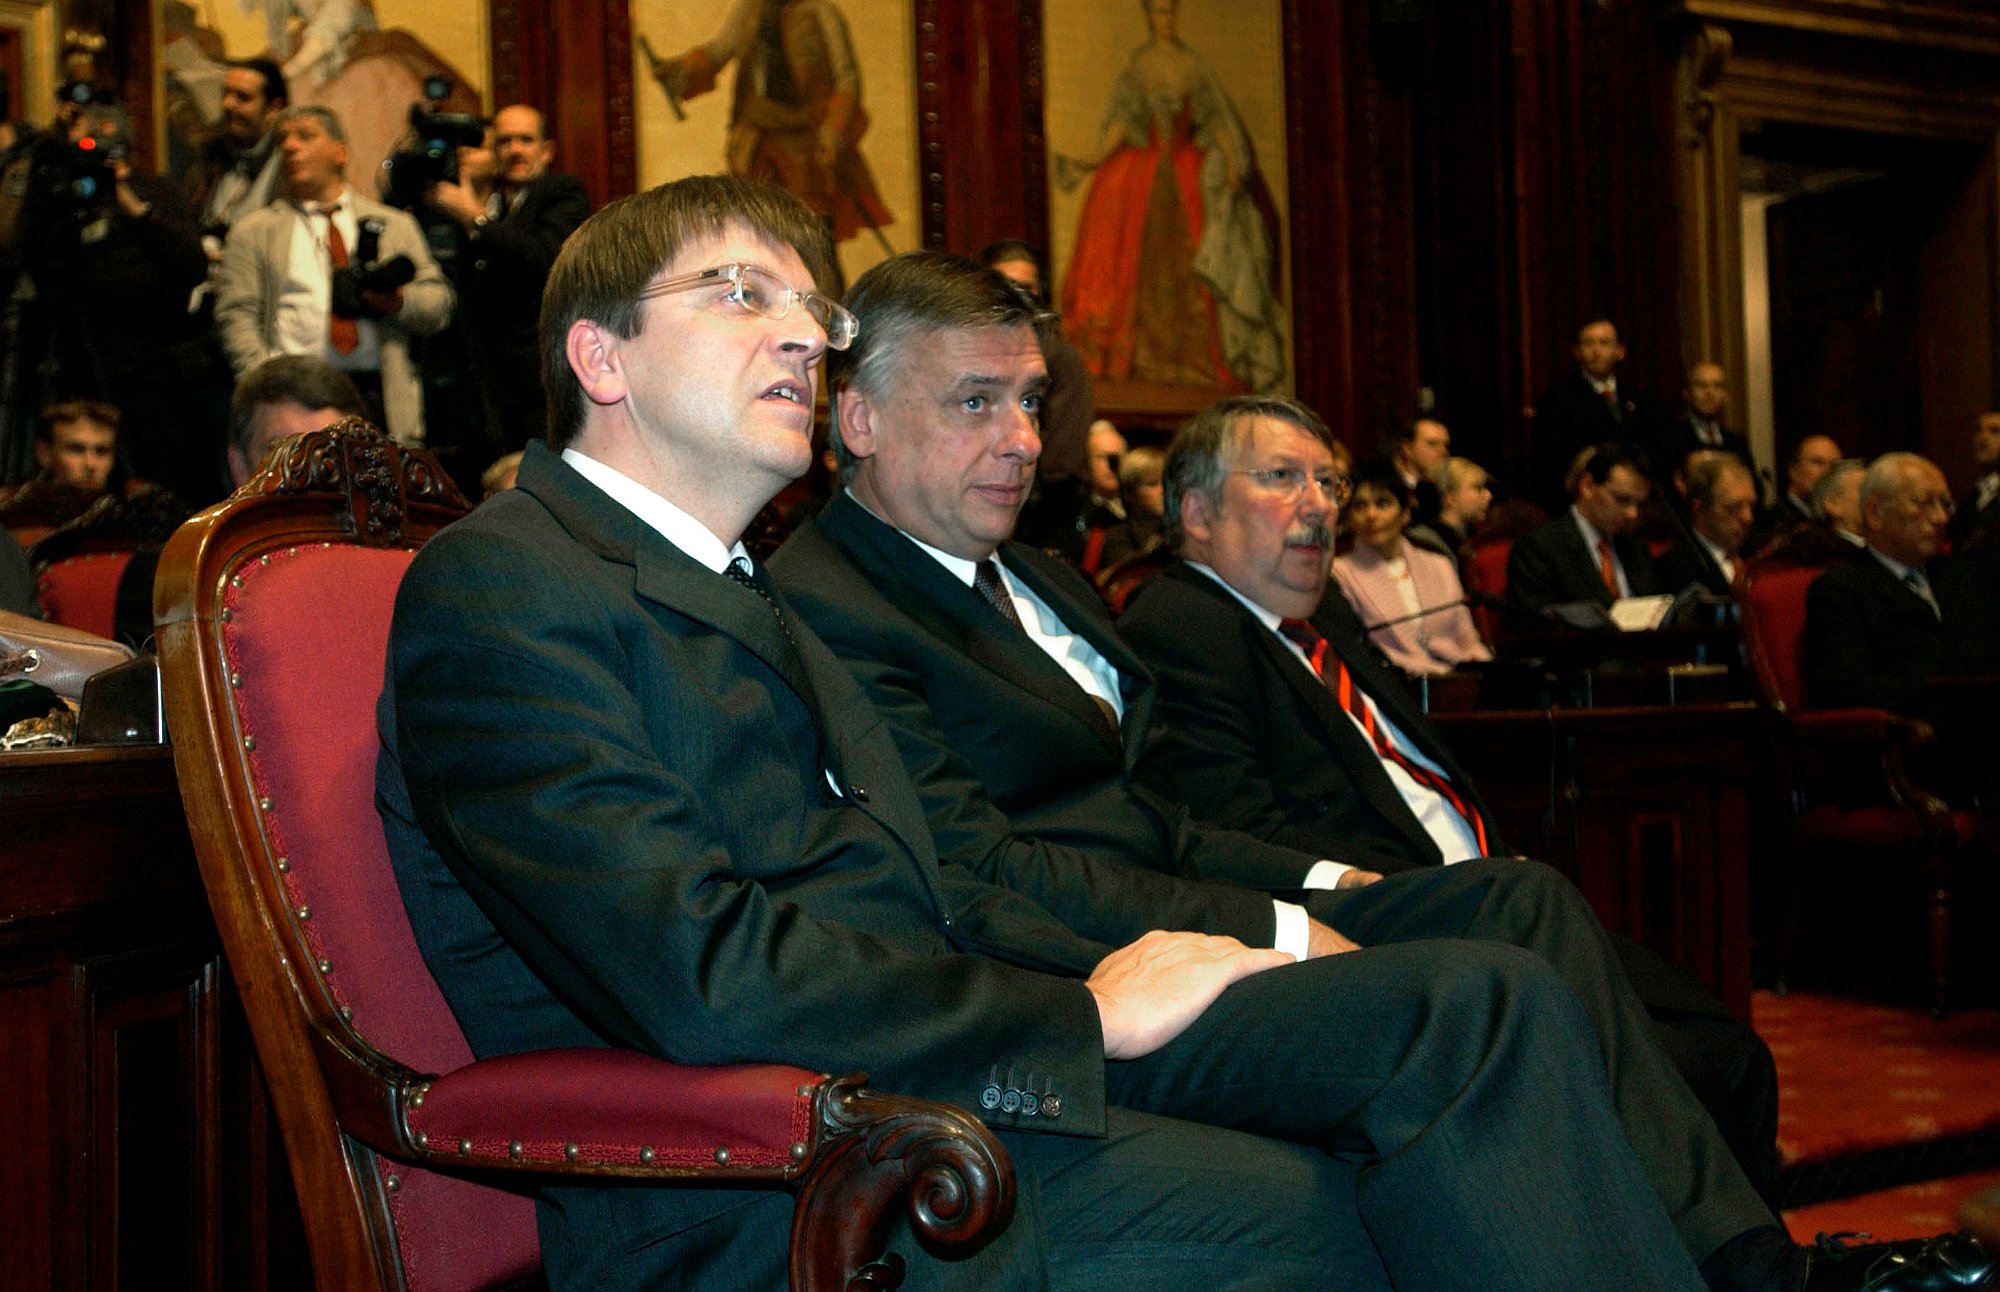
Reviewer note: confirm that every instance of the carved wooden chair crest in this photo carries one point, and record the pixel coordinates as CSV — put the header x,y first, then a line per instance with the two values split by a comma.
x,y
413,1160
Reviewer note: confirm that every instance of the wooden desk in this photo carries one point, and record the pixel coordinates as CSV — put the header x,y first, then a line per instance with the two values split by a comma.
x,y
1647,809
136,1145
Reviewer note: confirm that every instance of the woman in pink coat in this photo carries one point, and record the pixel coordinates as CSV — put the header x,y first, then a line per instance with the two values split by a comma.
x,y
1413,594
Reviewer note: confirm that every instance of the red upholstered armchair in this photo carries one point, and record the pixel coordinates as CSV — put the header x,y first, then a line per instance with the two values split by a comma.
x,y
1843,770
412,1159
1486,575
78,564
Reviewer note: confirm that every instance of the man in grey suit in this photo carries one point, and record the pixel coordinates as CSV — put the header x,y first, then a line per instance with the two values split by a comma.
x,y
633,800
290,279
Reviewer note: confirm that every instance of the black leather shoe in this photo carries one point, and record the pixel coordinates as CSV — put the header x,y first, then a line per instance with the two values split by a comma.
x,y
1940,1264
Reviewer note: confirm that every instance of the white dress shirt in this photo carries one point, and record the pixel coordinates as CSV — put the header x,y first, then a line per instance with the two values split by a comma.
x,y
305,295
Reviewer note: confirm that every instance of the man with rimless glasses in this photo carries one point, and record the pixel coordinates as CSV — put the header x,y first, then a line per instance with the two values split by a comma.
x,y
633,800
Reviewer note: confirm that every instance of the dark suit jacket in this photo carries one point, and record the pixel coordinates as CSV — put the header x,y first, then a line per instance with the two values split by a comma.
x,y
1974,521
1252,740
1687,561
1872,641
501,273
1677,438
1550,565
592,797
1022,779
1570,416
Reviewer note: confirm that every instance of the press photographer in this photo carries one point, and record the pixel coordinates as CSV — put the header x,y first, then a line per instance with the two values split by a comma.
x,y
497,225
328,272
111,257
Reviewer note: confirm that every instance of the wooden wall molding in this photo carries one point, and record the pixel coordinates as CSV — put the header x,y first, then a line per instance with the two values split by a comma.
x,y
1967,26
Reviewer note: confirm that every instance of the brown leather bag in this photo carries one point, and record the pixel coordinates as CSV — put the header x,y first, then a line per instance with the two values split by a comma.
x,y
60,658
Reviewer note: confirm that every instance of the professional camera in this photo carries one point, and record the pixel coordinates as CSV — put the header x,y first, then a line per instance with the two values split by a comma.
x,y
367,272
433,158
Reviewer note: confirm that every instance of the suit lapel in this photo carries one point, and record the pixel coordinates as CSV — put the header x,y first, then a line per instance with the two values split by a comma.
x,y
953,612
1090,622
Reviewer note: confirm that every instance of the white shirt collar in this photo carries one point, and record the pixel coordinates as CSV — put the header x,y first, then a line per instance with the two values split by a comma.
x,y
672,524
1591,536
1721,558
961,569
1896,567
1268,618
344,201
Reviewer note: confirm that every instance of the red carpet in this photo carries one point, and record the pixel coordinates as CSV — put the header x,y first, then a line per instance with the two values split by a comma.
x,y
1854,1076
1887,1119
1912,1211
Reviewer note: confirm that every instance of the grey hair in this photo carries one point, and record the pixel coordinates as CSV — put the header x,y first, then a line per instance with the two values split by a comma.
x,y
1199,457
325,116
1885,476
1829,484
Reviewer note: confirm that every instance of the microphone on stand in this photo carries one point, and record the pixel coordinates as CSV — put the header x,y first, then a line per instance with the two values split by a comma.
x,y
1469,599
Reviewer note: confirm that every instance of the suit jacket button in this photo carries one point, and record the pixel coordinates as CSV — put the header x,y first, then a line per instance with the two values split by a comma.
x,y
1051,1105
989,1098
1011,1101
1029,1104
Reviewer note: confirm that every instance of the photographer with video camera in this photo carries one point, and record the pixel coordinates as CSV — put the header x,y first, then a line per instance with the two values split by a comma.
x,y
110,258
507,233
330,273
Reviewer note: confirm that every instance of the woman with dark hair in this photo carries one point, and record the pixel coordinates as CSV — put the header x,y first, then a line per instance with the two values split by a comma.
x,y
1410,597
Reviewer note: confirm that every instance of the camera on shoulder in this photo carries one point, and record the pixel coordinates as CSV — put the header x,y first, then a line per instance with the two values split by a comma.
x,y
433,156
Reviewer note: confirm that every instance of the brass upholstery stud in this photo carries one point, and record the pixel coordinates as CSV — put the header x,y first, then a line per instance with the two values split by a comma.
x,y
284,865
264,803
417,1097
235,678
572,1152
305,912
326,966
465,1147
805,1092
798,1152
393,1183
250,742
645,1154
347,1013
235,580
265,559
722,1155
514,1150
226,616
423,1139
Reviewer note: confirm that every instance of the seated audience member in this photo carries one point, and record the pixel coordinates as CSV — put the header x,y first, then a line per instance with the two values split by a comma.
x,y
76,444
288,282
500,477
1722,506
707,848
1587,554
1409,598
1979,512
1016,706
1878,628
1256,737
1793,510
1139,490
1836,500
283,396
1418,455
1465,496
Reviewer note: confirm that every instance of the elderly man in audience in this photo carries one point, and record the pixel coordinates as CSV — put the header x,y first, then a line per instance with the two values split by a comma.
x,y
1979,512
644,805
1879,629
1409,598
1465,496
330,273
1589,553
1339,758
1018,709
1722,507
1809,461
1139,489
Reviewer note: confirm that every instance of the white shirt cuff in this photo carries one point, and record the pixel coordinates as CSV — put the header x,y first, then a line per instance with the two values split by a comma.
x,y
1325,874
1293,934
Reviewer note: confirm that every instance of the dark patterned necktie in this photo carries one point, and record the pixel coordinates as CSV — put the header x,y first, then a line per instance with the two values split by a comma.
x,y
987,582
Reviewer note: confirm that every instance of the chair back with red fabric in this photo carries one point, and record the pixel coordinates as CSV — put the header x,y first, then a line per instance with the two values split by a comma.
x,y
1774,629
82,591
1485,574
274,610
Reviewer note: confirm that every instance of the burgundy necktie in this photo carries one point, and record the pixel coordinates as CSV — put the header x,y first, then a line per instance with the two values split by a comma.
x,y
343,334
1308,639
1607,568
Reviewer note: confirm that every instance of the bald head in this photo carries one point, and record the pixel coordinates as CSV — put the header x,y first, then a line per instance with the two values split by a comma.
x,y
521,146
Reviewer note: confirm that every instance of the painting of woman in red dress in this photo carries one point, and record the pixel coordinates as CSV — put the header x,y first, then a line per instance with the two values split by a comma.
x,y
1174,274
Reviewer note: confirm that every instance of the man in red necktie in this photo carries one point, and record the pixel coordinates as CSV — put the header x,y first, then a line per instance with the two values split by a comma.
x,y
330,273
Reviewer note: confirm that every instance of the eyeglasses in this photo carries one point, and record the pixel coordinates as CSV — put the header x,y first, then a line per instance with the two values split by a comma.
x,y
764,293
1288,484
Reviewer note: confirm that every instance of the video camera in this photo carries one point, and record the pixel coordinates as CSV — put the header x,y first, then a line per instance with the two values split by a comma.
x,y
367,272
433,159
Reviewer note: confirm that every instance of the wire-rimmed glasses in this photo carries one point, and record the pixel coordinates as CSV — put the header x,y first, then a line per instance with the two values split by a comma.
x,y
762,292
